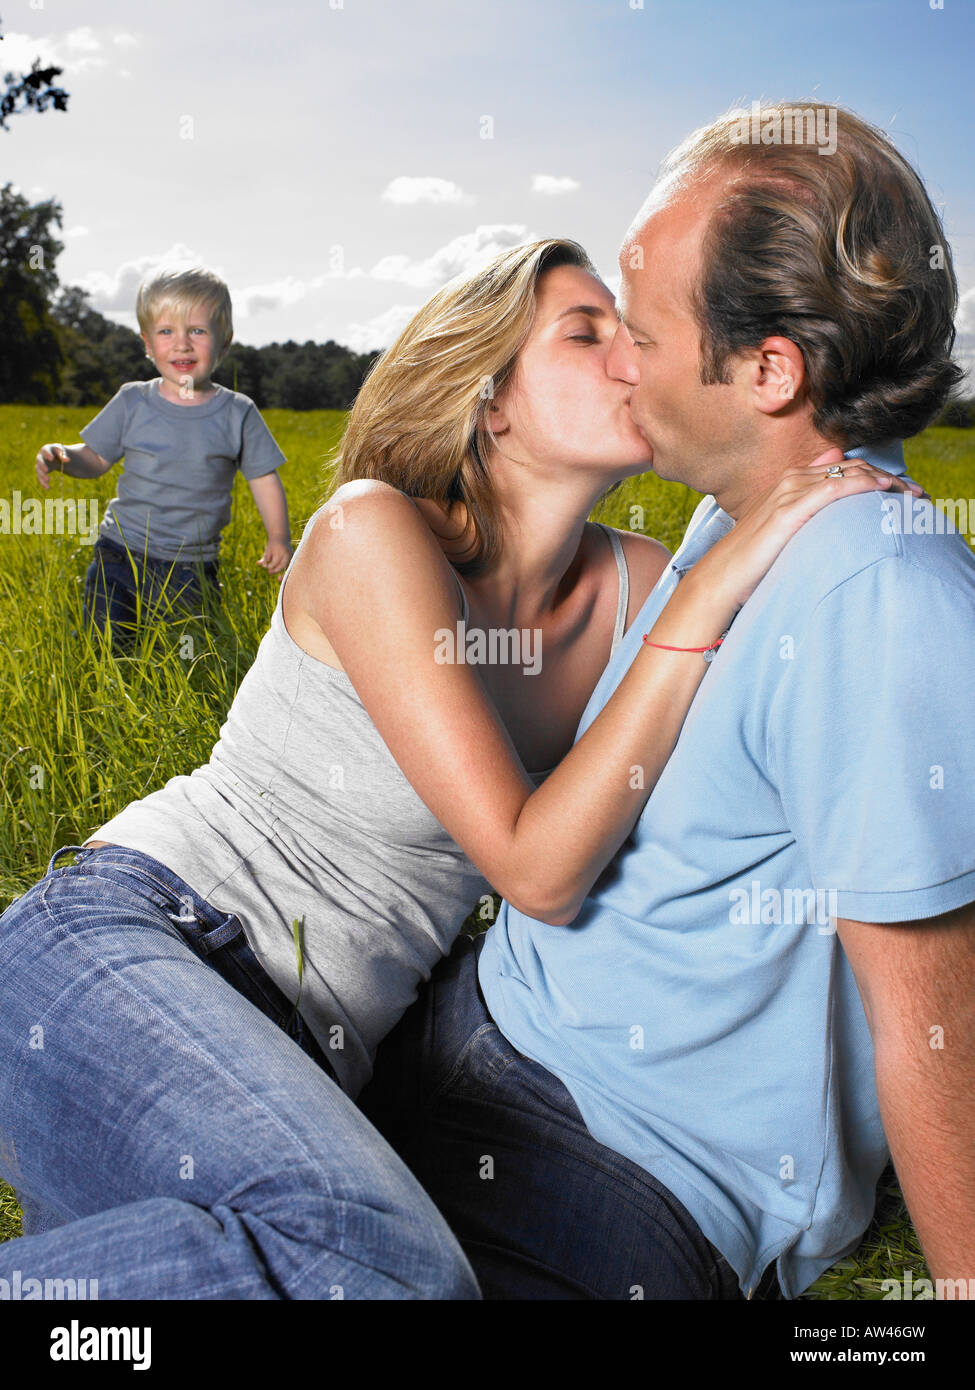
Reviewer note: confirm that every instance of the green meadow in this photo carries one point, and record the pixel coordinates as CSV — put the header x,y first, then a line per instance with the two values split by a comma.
x,y
84,732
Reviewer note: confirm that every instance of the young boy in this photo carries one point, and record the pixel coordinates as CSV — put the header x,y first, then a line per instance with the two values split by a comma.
x,y
183,438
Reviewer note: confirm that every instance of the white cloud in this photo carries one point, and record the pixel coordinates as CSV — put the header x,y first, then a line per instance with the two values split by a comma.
x,y
76,51
462,256
965,318
425,190
336,272
76,231
18,52
83,40
115,291
123,40
380,331
258,299
551,185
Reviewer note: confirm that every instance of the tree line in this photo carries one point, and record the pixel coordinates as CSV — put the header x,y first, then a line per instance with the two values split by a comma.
x,y
57,348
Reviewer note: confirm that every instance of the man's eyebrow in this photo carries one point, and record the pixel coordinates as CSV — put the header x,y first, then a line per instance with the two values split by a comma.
x,y
631,328
593,310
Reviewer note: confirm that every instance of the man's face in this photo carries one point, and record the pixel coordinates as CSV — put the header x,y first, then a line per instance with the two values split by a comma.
x,y
695,431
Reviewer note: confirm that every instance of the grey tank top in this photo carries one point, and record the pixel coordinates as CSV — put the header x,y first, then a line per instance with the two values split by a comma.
x,y
303,814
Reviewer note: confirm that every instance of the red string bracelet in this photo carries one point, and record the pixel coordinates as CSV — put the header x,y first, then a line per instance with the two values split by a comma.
x,y
664,648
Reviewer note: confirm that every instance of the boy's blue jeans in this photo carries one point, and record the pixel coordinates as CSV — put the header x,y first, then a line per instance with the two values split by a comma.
x,y
166,1136
114,578
542,1210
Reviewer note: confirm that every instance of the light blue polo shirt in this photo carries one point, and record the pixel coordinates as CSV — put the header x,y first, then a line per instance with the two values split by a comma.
x,y
700,1009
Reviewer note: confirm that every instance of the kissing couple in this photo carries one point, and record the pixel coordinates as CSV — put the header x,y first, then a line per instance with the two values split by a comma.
x,y
730,813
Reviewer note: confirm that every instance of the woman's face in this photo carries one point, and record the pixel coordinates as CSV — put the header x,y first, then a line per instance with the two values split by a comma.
x,y
561,405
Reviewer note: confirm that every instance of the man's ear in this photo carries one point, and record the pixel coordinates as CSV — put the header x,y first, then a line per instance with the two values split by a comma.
x,y
777,375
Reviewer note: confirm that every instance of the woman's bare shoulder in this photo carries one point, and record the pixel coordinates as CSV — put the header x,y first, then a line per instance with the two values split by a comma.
x,y
368,535
646,560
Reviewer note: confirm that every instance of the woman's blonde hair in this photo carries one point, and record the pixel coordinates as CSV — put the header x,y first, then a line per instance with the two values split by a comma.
x,y
420,420
181,291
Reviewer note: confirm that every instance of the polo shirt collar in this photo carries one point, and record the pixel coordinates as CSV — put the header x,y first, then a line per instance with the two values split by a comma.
x,y
715,523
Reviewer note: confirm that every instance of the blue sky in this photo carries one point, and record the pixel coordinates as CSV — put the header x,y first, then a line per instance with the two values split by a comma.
x,y
328,158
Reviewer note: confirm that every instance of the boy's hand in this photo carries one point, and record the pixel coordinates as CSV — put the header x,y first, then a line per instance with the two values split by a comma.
x,y
276,557
51,456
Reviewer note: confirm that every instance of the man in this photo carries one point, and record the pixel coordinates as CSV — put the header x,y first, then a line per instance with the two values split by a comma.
x,y
689,1092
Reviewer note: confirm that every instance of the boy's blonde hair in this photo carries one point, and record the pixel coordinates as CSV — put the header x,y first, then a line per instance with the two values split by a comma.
x,y
420,421
181,291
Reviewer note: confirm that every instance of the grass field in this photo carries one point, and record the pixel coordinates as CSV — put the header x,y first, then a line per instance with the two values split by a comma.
x,y
85,732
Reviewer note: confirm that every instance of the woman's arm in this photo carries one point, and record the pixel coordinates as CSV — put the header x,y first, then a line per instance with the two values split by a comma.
x,y
375,581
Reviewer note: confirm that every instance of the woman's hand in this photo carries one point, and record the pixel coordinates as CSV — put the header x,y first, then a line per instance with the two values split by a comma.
x,y
737,562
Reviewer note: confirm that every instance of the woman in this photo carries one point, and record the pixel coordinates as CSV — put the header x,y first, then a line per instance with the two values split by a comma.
x,y
166,1134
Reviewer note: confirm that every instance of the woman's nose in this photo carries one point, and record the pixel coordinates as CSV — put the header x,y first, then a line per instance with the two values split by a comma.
x,y
622,362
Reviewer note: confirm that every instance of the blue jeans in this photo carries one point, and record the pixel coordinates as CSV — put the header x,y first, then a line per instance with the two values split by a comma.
x,y
165,1134
541,1209
115,582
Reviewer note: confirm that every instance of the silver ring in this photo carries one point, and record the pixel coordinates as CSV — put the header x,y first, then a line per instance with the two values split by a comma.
x,y
835,471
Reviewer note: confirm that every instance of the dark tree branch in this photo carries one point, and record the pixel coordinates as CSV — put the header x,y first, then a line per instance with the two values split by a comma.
x,y
31,91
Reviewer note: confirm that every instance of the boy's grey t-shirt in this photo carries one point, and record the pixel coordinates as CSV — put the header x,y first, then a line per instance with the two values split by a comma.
x,y
174,493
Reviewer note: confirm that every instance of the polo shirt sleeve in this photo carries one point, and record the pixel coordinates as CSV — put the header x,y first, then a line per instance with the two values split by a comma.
x,y
106,432
870,742
259,452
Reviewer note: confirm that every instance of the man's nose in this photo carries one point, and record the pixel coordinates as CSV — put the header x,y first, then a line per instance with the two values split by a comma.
x,y
622,362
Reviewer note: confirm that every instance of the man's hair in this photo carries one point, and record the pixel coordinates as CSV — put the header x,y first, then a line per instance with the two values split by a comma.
x,y
837,249
181,291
